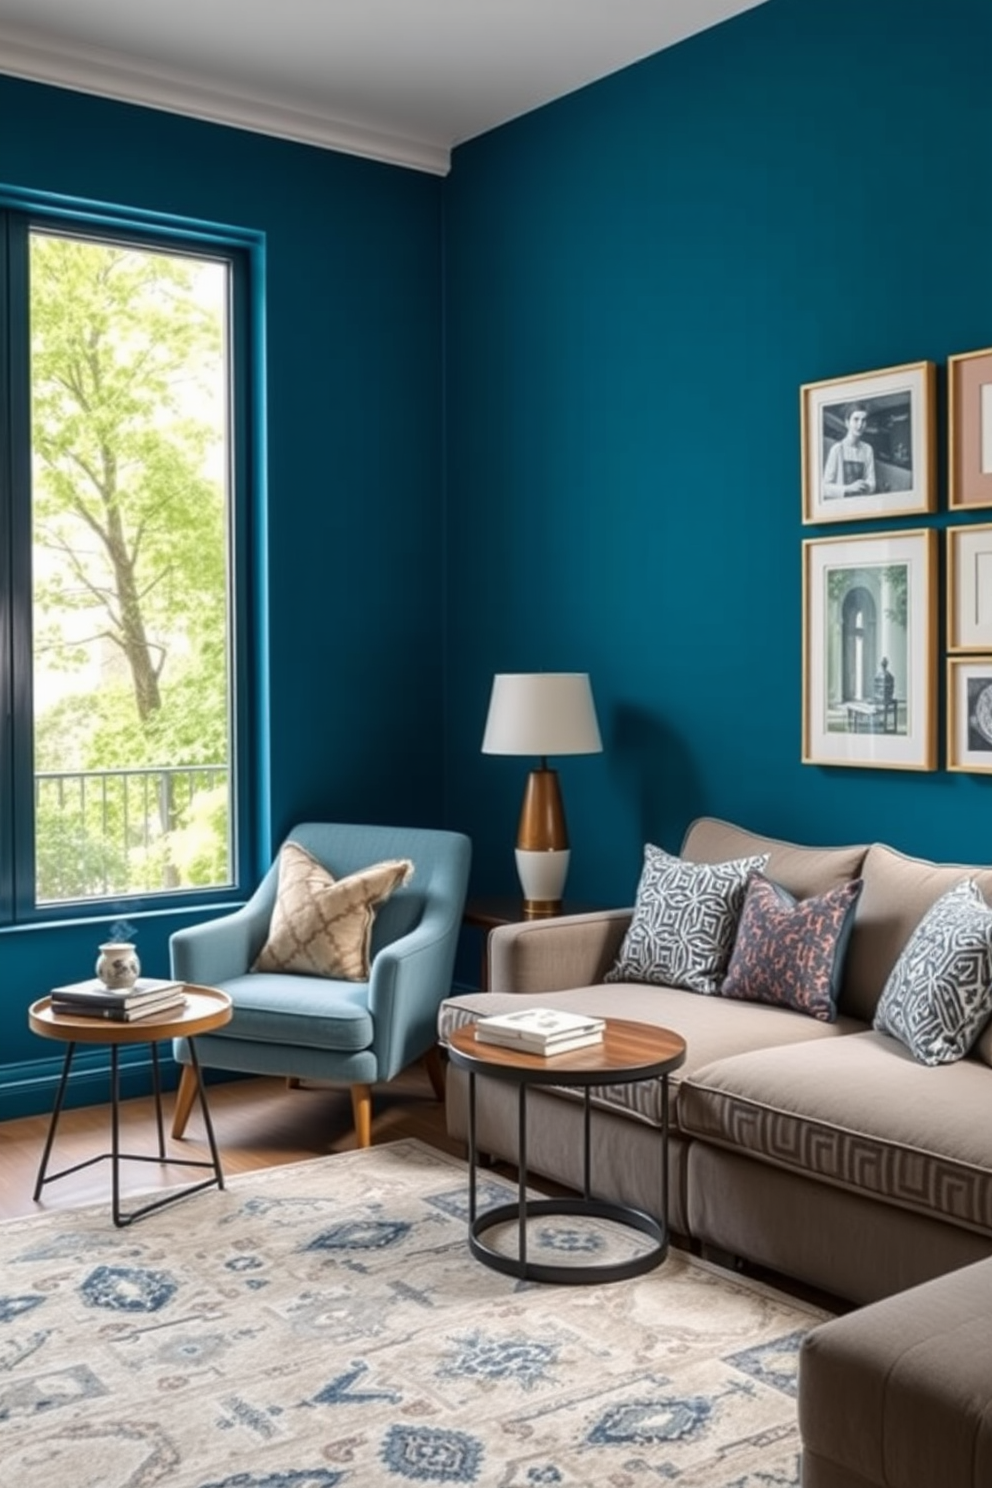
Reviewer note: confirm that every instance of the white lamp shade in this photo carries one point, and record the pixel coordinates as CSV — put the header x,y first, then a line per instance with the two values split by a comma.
x,y
541,713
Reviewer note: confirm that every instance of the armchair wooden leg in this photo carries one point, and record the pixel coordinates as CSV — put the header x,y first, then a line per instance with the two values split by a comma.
x,y
361,1106
185,1096
435,1069
293,1082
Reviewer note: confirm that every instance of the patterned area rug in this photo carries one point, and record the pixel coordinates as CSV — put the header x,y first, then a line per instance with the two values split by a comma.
x,y
323,1324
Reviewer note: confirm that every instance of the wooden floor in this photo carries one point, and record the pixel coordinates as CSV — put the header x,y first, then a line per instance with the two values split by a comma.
x,y
258,1123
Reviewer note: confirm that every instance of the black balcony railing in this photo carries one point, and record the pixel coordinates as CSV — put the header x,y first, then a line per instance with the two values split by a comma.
x,y
111,833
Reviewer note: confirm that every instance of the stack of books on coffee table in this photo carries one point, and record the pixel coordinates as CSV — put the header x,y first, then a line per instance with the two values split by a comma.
x,y
540,1031
92,999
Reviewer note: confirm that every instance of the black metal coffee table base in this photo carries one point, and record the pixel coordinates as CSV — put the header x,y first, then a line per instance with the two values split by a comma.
x,y
628,1053
520,1266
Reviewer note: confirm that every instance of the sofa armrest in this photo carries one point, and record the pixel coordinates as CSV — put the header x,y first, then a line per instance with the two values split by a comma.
x,y
219,949
555,954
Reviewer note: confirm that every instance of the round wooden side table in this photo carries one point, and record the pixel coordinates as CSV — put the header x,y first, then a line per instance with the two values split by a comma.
x,y
205,1009
629,1052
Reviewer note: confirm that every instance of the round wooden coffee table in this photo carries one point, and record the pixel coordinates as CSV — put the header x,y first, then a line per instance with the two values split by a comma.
x,y
629,1052
206,1008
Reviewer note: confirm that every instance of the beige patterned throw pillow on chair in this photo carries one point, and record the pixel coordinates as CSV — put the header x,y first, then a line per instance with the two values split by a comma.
x,y
322,926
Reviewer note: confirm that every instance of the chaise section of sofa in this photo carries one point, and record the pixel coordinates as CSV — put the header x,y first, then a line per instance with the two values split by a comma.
x,y
899,1394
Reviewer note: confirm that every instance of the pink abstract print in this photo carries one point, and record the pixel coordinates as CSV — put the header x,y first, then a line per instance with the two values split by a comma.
x,y
791,953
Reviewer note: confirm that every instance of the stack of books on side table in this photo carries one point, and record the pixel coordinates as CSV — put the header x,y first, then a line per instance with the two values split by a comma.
x,y
91,999
540,1031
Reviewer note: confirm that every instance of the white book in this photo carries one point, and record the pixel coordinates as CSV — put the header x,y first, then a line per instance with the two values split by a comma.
x,y
538,1029
547,1047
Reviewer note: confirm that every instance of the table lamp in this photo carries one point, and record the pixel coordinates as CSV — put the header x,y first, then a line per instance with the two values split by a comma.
x,y
542,713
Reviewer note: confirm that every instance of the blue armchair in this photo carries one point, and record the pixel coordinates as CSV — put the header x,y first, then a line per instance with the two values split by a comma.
x,y
336,1032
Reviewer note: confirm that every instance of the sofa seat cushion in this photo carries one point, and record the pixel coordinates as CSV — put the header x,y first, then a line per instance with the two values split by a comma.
x,y
712,1029
858,1112
312,1012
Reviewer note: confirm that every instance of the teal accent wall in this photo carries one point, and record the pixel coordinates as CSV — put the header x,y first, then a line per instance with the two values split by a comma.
x,y
640,277
349,535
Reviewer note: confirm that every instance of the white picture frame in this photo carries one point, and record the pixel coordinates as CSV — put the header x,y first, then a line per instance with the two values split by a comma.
x,y
969,588
969,714
869,445
869,651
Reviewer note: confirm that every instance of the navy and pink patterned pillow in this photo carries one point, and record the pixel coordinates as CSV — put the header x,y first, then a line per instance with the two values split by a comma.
x,y
789,952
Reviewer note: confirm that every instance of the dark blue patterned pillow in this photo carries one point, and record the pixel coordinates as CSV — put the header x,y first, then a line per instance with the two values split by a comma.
x,y
938,996
684,923
789,952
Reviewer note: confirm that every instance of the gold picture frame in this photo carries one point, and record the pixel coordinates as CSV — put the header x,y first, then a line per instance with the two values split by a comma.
x,y
869,650
969,587
869,445
969,714
969,430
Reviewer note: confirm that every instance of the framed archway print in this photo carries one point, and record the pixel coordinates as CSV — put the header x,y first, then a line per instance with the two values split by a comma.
x,y
869,650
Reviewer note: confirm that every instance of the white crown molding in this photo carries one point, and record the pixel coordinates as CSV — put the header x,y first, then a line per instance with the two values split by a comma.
x,y
90,70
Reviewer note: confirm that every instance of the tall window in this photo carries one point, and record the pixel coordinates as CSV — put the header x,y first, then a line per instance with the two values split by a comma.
x,y
122,538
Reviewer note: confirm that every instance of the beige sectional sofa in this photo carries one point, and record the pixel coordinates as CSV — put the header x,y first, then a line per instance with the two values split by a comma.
x,y
822,1150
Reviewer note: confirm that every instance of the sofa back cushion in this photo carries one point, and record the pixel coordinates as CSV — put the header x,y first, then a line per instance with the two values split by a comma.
x,y
804,871
897,893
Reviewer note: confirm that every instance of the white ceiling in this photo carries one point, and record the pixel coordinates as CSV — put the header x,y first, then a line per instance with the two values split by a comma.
x,y
397,80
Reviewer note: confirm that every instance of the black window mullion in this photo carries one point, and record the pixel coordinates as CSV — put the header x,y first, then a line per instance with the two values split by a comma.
x,y
16,767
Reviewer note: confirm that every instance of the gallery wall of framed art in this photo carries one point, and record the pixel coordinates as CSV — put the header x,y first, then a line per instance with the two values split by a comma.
x,y
870,623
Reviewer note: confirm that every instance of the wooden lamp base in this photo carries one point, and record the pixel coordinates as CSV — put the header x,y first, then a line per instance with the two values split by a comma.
x,y
542,844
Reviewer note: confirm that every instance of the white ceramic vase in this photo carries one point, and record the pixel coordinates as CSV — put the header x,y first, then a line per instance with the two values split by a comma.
x,y
117,965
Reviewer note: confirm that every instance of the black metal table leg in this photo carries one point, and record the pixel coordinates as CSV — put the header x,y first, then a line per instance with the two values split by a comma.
x,y
70,1049
157,1086
522,1178
115,1136
208,1123
664,1156
471,1152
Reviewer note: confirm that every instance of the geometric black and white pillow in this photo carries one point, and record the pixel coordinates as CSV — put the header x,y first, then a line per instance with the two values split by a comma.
x,y
938,997
684,922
